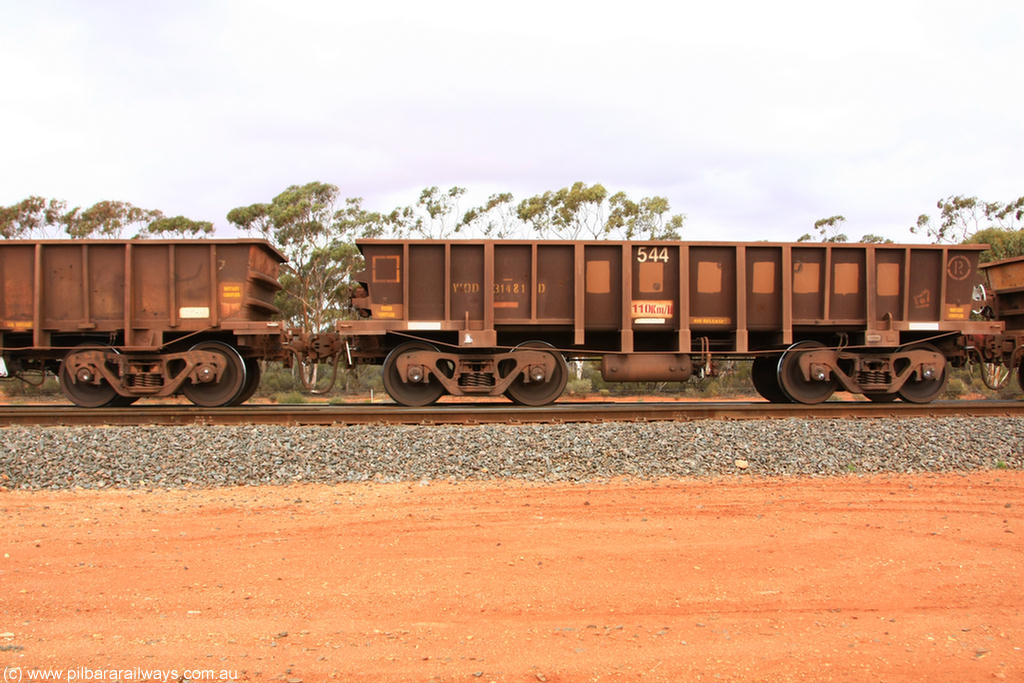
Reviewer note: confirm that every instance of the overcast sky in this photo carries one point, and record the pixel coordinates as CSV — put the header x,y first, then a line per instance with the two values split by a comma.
x,y
753,118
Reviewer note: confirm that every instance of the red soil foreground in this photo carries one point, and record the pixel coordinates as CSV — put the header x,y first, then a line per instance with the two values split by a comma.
x,y
903,578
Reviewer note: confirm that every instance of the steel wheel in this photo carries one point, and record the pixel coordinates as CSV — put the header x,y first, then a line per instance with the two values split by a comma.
x,y
792,381
764,374
410,393
231,383
1020,375
252,381
539,393
925,390
83,393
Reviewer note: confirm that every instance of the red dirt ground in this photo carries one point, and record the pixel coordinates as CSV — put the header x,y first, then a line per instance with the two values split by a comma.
x,y
902,578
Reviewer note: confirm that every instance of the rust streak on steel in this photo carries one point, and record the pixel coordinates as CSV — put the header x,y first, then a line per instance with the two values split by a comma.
x,y
490,413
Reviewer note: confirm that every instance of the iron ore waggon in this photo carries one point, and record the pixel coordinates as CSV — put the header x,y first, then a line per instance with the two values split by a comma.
x,y
119,320
1005,302
490,318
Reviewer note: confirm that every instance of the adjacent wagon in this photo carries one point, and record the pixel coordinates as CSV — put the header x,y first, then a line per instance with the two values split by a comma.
x,y
120,320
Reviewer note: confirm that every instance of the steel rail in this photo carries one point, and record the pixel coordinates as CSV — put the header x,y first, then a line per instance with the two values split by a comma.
x,y
488,413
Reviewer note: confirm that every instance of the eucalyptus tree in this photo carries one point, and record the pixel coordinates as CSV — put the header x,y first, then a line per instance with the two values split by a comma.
x,y
571,213
317,237
960,217
827,229
40,218
590,212
495,219
648,219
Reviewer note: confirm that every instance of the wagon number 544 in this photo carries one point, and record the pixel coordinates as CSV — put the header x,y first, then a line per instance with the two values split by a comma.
x,y
644,254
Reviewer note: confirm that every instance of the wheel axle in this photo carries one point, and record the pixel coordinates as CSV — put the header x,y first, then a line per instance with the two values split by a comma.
x,y
414,373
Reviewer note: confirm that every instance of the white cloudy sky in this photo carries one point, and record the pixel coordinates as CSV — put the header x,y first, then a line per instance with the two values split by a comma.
x,y
754,118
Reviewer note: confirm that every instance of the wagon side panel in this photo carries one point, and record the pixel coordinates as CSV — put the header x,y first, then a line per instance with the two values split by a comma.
x,y
17,287
764,288
556,283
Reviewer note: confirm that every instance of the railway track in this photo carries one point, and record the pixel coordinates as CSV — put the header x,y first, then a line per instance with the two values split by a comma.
x,y
488,413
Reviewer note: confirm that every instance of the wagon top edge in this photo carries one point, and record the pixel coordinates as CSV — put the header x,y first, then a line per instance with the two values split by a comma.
x,y
697,243
1002,262
150,242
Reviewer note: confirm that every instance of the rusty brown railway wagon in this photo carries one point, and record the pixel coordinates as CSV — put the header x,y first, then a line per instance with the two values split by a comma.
x,y
1006,303
118,320
491,318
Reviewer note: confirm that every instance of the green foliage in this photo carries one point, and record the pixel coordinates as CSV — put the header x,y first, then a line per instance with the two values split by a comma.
x,y
36,217
107,219
732,378
570,213
317,239
646,219
178,226
496,219
253,219
356,381
966,383
828,229
31,217
276,379
1003,243
960,217
955,387
579,386
442,210
19,390
289,397
435,215
578,211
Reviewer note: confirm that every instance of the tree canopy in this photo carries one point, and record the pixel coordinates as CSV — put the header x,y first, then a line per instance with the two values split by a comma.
x,y
496,218
38,217
1003,243
970,220
589,212
317,236
828,230
961,216
647,219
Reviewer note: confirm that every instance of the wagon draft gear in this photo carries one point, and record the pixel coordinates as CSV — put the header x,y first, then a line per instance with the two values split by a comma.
x,y
308,351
